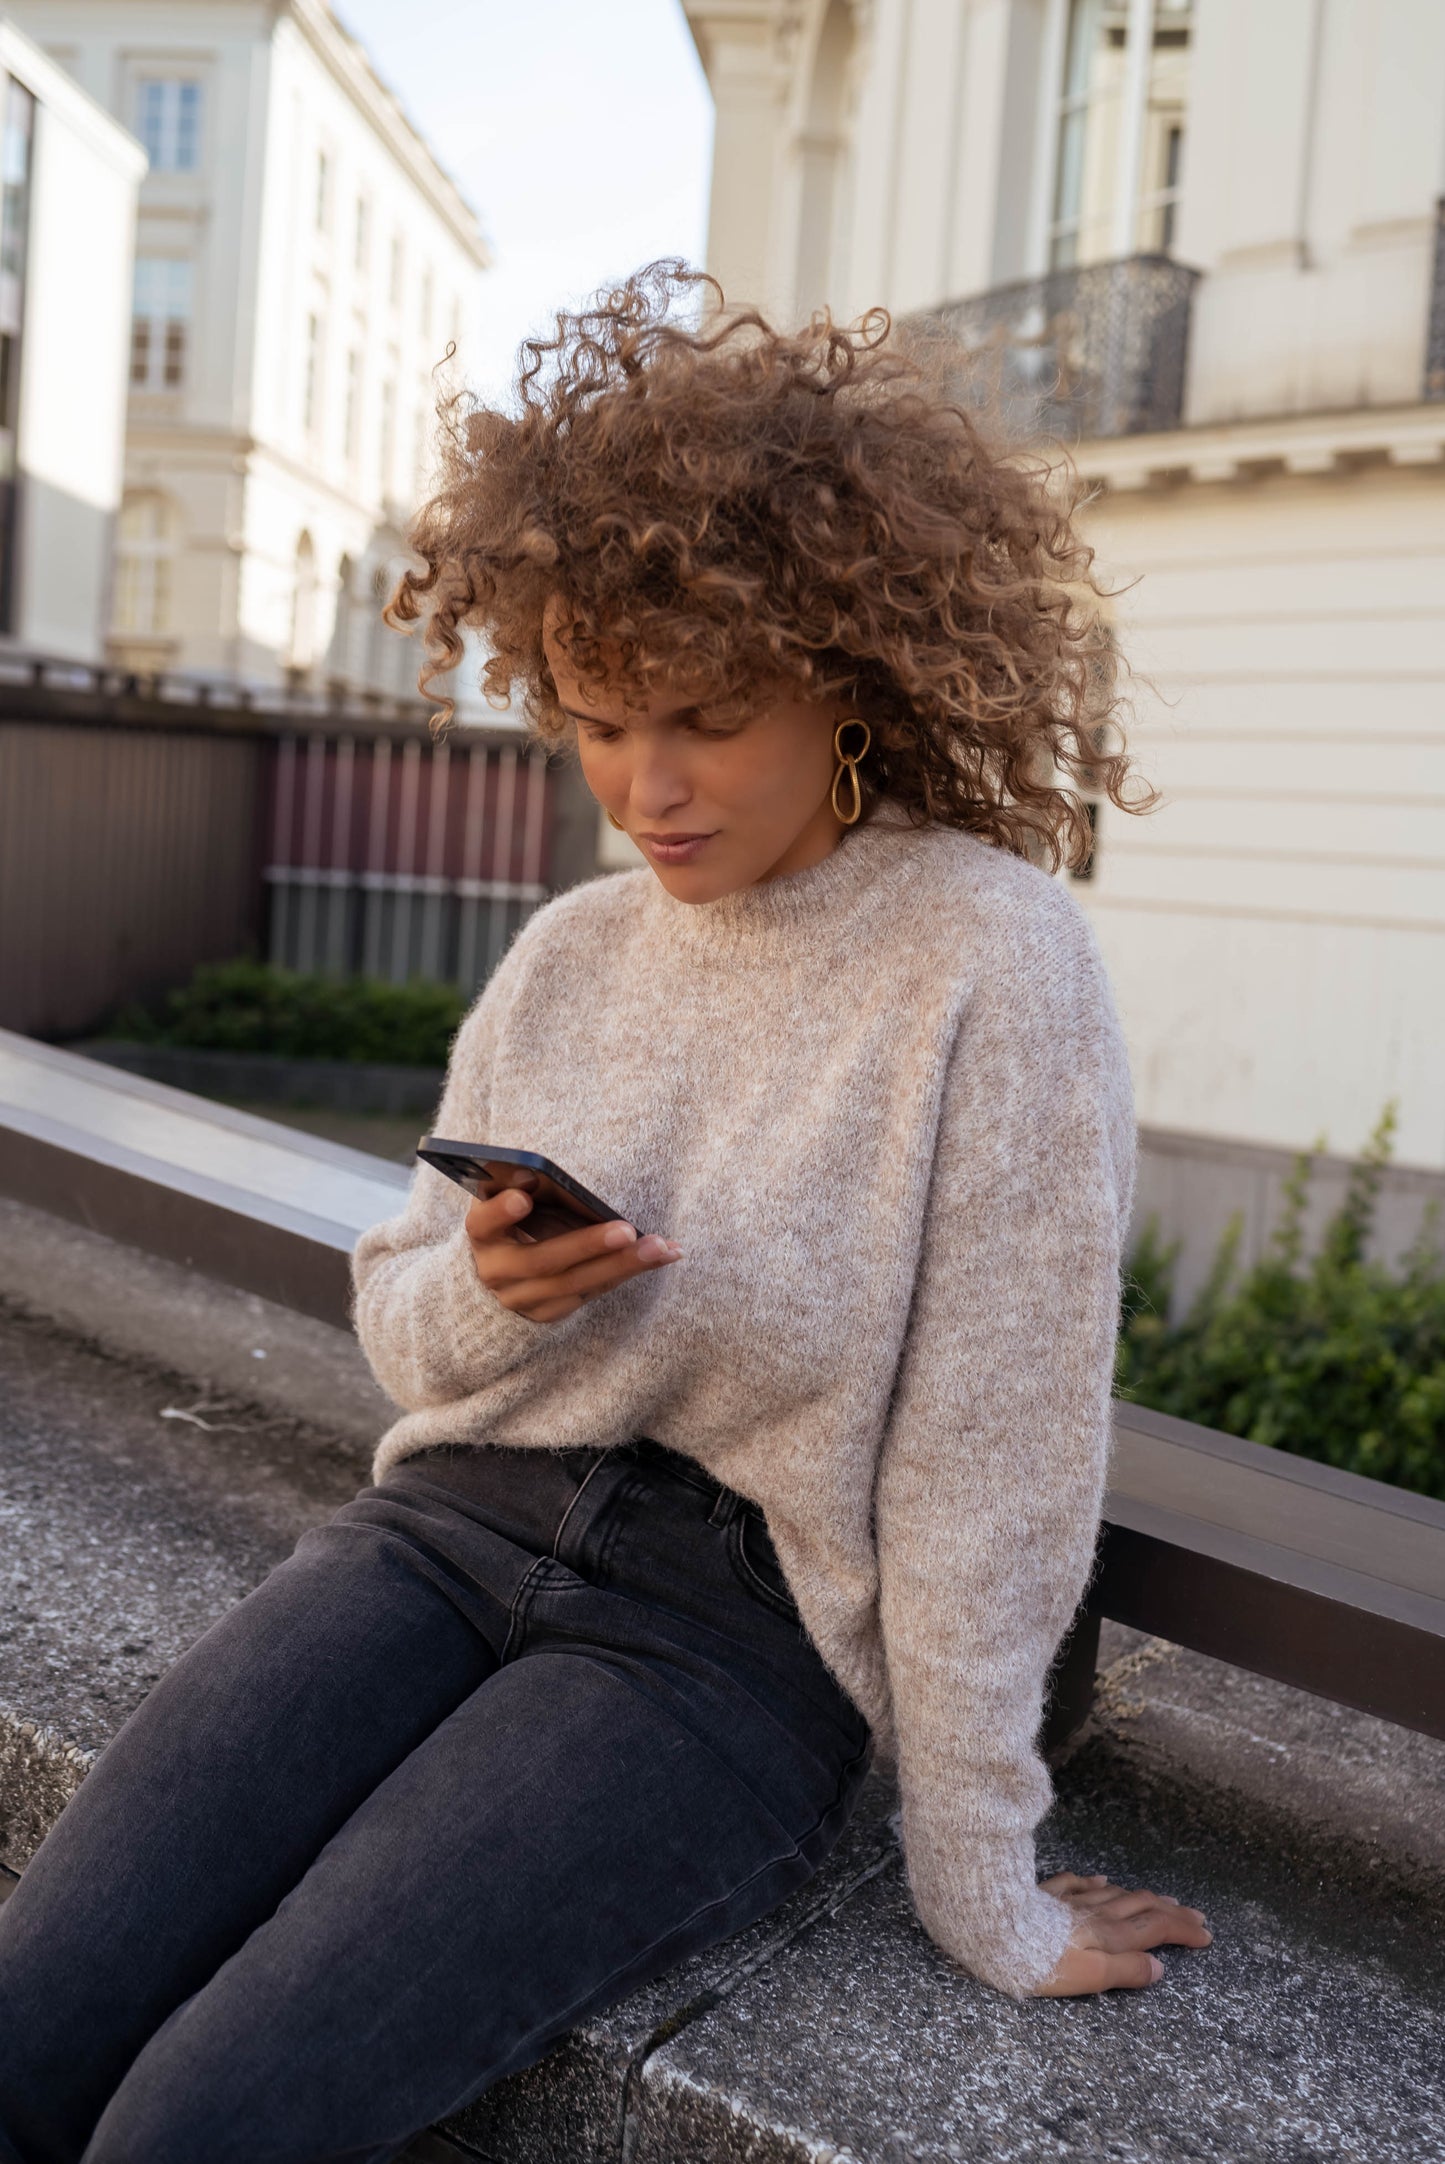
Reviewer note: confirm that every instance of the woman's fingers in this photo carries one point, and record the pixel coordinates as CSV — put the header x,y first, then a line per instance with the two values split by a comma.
x,y
1114,1928
492,1217
1159,1925
1085,1970
493,1224
548,1299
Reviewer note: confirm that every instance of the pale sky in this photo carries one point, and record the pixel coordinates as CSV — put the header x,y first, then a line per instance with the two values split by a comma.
x,y
579,130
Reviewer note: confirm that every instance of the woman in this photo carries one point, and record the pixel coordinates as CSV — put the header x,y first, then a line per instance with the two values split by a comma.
x,y
687,1515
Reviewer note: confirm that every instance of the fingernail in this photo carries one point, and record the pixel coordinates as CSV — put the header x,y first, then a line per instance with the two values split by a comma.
x,y
618,1236
516,1202
1156,1968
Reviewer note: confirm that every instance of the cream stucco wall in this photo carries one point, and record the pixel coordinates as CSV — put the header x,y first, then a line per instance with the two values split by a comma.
x,y
1276,928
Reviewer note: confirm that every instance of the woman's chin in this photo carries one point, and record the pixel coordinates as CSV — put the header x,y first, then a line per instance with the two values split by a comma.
x,y
696,882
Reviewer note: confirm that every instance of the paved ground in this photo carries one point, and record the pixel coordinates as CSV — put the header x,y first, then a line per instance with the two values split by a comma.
x,y
1313,1837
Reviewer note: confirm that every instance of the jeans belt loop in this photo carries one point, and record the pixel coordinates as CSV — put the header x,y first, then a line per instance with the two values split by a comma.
x,y
725,1509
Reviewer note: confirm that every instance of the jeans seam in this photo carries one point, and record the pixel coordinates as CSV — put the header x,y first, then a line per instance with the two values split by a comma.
x,y
752,1582
519,1599
562,2021
601,1457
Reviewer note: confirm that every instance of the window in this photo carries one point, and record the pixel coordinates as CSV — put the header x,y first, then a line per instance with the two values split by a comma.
x,y
395,281
352,422
1120,131
302,643
426,302
16,137
160,323
387,436
323,191
363,232
168,122
311,382
419,449
145,552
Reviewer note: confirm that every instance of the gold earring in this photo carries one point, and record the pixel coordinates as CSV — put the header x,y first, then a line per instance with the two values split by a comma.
x,y
616,823
848,764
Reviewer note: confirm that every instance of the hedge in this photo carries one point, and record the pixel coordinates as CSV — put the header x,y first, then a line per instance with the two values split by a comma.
x,y
248,1006
1331,1356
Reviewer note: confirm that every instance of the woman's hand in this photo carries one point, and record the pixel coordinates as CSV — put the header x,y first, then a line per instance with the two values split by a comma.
x,y
548,1279
1113,1928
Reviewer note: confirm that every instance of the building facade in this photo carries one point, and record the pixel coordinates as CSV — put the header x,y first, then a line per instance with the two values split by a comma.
x,y
1202,242
302,266
68,182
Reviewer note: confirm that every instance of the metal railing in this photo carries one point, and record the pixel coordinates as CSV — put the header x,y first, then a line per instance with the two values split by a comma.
x,y
1096,351
1434,386
404,859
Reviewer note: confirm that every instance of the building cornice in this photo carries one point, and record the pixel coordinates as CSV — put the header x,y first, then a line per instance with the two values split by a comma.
x,y
764,32
1239,452
347,62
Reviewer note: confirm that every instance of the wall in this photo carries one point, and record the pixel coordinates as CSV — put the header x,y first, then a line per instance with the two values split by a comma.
x,y
1314,156
1191,1185
1276,931
75,346
126,857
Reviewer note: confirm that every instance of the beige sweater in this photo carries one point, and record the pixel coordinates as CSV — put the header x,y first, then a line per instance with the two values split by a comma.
x,y
884,1105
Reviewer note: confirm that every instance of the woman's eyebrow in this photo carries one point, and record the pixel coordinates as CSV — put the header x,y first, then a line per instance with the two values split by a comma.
x,y
590,713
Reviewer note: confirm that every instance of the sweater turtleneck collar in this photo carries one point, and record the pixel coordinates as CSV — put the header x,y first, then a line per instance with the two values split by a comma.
x,y
814,902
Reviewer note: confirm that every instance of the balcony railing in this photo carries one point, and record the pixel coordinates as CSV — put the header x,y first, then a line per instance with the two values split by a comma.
x,y
1097,351
1435,329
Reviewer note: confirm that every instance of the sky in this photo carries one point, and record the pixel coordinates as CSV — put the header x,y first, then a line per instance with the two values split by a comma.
x,y
579,130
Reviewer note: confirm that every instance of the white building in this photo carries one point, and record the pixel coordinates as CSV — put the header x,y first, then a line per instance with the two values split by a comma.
x,y
68,181
1269,440
302,265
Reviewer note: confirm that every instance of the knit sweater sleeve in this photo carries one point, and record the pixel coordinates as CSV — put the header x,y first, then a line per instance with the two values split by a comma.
x,y
429,1328
992,1470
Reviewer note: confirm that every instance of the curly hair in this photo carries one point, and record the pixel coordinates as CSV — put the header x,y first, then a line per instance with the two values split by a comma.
x,y
699,495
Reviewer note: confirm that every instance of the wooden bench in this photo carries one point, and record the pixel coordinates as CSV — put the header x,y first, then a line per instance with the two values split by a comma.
x,y
1314,1577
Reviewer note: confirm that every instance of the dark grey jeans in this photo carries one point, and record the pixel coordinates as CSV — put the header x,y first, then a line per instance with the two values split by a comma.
x,y
506,1737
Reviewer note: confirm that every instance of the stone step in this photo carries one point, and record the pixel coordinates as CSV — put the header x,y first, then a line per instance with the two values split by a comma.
x,y
1311,1835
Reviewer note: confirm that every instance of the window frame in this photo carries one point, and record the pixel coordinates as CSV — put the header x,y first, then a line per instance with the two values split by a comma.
x,y
160,335
173,125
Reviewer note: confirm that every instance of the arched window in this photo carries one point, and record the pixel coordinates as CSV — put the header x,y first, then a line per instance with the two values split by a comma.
x,y
303,606
342,661
145,554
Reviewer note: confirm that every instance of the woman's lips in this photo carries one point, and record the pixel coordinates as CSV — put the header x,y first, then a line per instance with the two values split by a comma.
x,y
673,848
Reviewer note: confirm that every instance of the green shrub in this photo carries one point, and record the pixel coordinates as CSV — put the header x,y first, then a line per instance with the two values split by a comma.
x,y
247,1006
1331,1357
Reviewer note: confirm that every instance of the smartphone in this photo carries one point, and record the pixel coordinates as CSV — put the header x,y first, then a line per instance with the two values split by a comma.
x,y
559,1203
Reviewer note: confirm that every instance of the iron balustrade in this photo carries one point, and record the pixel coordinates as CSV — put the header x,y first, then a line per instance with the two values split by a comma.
x,y
1096,351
